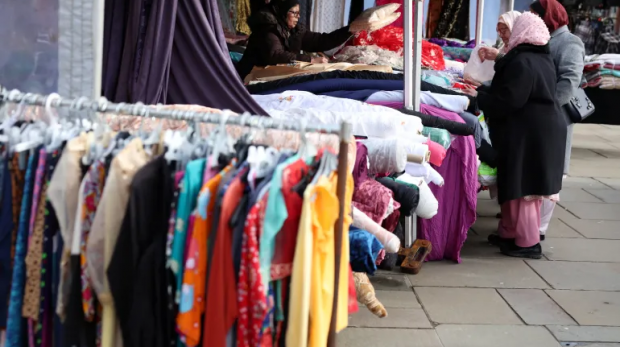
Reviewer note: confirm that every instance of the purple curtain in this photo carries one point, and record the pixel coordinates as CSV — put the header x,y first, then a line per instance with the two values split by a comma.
x,y
178,55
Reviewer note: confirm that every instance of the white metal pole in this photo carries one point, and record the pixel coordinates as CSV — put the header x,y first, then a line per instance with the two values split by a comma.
x,y
511,5
479,19
413,72
98,28
413,52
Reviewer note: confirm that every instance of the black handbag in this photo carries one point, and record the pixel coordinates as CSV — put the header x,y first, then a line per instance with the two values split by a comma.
x,y
579,107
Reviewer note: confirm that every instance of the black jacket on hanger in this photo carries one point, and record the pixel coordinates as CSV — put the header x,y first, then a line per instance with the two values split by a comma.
x,y
137,270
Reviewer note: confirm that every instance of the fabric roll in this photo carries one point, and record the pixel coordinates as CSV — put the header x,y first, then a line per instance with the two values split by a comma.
x,y
440,123
387,239
364,250
425,171
441,136
420,150
407,196
428,206
434,176
360,170
438,153
454,103
386,155
373,199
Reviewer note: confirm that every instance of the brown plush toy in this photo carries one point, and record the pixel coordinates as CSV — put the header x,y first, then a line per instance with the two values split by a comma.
x,y
366,294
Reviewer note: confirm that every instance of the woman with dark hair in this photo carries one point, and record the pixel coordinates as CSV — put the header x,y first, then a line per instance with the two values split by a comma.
x,y
568,54
277,38
528,131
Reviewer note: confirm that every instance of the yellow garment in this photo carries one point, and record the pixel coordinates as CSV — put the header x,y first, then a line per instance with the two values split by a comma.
x,y
243,13
312,280
342,319
299,303
324,209
105,229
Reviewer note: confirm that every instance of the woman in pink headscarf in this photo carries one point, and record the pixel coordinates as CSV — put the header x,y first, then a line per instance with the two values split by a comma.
x,y
528,131
505,24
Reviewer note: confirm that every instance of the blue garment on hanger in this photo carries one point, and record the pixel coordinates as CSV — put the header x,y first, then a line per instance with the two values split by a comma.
x,y
6,238
16,299
190,187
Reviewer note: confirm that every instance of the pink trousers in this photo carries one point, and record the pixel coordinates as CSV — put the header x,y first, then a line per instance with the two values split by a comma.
x,y
521,221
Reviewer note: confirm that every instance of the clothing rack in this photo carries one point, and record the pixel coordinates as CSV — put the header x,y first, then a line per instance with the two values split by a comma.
x,y
344,131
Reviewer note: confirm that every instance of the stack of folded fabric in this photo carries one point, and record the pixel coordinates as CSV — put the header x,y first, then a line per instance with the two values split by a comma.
x,y
602,71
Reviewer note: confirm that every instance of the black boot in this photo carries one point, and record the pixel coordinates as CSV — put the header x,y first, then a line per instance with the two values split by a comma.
x,y
496,240
512,250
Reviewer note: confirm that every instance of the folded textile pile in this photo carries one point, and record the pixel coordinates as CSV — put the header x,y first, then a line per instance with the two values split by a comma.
x,y
277,72
602,71
391,38
370,55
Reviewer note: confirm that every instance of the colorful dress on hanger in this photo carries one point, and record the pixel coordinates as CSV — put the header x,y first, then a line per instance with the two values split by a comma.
x,y
32,294
14,331
194,279
44,329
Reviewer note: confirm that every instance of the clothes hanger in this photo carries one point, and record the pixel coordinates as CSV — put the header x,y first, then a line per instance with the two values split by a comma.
x,y
32,136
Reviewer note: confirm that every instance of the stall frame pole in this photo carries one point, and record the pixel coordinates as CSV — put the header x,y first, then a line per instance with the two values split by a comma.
x,y
413,74
479,19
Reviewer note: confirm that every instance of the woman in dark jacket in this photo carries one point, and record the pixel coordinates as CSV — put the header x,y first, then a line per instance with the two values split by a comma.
x,y
528,131
277,38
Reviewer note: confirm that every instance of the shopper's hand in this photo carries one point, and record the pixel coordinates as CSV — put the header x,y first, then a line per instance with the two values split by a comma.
x,y
470,91
319,60
488,53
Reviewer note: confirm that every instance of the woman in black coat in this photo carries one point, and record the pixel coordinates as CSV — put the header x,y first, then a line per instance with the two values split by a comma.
x,y
528,130
277,38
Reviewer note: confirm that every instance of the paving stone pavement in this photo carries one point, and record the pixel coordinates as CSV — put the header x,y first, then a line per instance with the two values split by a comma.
x,y
570,298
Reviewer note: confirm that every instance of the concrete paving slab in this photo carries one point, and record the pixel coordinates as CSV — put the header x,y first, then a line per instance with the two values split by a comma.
x,y
585,333
477,247
607,168
610,182
584,153
589,308
611,153
586,210
610,196
484,195
487,208
559,229
561,213
495,336
596,229
485,226
579,275
577,195
396,318
479,273
535,307
586,250
357,337
390,281
466,306
398,299
582,182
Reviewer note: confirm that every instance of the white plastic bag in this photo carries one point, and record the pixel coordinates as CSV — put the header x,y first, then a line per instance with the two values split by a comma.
x,y
477,70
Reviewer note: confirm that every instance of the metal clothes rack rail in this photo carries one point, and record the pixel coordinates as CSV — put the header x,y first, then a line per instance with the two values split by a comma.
x,y
344,131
